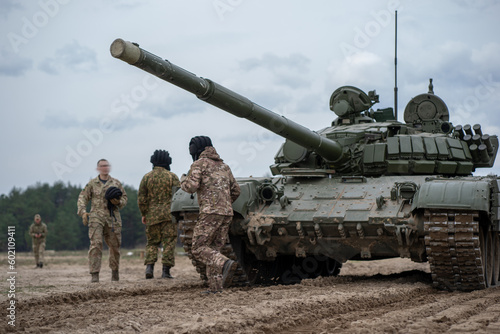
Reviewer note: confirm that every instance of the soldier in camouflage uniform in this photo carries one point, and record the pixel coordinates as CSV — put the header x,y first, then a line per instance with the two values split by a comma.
x,y
154,199
104,220
216,189
38,232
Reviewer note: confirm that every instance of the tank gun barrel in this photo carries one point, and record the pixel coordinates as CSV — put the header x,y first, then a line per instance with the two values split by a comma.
x,y
225,99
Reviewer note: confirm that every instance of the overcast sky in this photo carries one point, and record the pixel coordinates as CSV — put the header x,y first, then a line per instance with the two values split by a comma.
x,y
65,102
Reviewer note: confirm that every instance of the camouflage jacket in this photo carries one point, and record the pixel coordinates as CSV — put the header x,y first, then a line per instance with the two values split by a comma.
x,y
38,229
155,195
213,182
94,191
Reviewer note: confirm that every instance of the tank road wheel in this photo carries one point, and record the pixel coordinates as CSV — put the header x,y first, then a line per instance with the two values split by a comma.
x,y
331,267
457,250
496,258
261,272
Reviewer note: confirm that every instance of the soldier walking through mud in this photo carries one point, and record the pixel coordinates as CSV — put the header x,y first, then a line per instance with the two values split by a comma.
x,y
107,196
38,233
214,183
154,199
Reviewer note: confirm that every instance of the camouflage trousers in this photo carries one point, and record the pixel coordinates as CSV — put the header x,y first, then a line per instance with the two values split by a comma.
x,y
39,249
209,236
97,232
163,233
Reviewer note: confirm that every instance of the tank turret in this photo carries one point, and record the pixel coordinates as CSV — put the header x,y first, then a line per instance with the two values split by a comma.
x,y
359,142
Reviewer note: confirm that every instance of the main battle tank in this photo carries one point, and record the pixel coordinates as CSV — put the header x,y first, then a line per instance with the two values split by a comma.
x,y
367,187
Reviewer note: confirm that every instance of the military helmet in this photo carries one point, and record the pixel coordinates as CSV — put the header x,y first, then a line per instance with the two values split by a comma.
x,y
197,145
161,158
113,192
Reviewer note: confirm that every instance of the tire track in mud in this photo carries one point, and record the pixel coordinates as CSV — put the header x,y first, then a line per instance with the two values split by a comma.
x,y
97,293
430,312
246,310
403,302
50,309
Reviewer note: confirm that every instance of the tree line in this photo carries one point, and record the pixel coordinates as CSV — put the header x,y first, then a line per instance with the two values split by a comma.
x,y
57,206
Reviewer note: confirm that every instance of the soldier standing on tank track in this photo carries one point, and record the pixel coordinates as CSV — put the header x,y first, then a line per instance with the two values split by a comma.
x,y
216,188
38,233
154,200
107,196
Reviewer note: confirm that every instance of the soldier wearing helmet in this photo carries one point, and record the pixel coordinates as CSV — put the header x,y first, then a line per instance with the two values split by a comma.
x,y
107,197
154,199
216,188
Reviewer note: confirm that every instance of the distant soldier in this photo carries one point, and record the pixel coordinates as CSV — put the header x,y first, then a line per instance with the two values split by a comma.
x,y
154,199
38,232
216,188
107,196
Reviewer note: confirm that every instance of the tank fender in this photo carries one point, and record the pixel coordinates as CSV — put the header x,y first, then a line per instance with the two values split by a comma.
x,y
247,200
183,201
458,194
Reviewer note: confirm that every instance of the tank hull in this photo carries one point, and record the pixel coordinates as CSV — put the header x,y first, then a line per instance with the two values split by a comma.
x,y
307,227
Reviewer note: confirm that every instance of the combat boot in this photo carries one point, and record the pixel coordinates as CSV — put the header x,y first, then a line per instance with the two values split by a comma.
x,y
227,272
150,268
40,264
95,278
166,272
114,275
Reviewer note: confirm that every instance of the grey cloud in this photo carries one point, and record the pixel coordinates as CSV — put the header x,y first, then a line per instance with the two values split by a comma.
x,y
60,120
49,66
14,65
7,6
296,62
480,4
65,120
73,57
269,98
486,58
287,71
455,65
255,137
172,106
313,103
292,81
130,4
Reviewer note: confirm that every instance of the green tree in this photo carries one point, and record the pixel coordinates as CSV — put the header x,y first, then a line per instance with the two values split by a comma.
x,y
57,206
133,231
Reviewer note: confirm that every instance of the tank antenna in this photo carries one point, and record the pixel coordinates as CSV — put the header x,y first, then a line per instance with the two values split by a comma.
x,y
396,65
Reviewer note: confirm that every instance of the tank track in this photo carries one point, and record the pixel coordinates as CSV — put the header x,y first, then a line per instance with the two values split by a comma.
x,y
186,224
453,246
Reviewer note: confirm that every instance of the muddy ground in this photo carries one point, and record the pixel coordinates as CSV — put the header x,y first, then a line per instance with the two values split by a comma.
x,y
387,296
